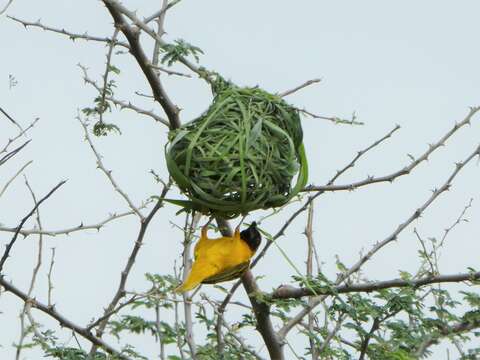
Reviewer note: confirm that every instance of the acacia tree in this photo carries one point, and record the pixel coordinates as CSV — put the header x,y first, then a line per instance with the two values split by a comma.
x,y
342,317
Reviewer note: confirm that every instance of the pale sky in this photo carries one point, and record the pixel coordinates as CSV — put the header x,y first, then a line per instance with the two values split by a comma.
x,y
409,63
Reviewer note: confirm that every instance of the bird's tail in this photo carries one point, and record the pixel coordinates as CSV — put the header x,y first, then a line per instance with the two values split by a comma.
x,y
200,271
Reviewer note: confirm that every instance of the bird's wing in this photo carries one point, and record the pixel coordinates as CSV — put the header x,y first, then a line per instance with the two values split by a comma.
x,y
201,270
228,274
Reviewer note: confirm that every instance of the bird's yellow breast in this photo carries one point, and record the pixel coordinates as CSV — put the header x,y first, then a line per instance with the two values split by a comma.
x,y
224,252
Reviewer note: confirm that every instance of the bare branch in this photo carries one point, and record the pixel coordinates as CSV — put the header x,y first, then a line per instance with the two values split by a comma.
x,y
295,89
33,280
310,246
187,299
260,309
334,119
50,310
71,35
10,141
22,222
116,10
170,72
262,314
161,12
4,112
120,293
459,219
7,184
97,322
301,210
356,267
108,173
231,332
5,8
70,230
180,339
407,169
362,152
12,153
49,277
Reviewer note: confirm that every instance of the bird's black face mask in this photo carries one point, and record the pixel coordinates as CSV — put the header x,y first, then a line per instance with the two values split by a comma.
x,y
252,236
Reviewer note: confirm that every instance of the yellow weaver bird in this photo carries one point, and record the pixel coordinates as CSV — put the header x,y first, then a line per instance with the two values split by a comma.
x,y
222,259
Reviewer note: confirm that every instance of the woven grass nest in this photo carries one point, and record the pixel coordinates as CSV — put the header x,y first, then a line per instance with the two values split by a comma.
x,y
242,154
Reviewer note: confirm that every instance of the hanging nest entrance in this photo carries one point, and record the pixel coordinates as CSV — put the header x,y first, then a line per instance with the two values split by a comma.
x,y
241,155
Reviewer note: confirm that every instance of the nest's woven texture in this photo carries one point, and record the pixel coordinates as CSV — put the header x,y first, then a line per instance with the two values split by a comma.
x,y
240,155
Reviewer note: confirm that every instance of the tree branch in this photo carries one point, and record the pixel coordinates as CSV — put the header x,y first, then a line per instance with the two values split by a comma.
x,y
122,104
456,329
304,207
260,309
7,184
71,35
12,153
120,293
379,245
23,221
12,120
120,9
108,173
295,89
21,133
70,230
407,169
133,37
50,310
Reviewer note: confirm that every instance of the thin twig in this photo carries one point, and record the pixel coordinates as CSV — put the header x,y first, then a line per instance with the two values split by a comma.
x,y
303,208
12,120
170,72
49,278
379,245
105,75
456,329
7,184
161,12
231,332
50,311
97,322
97,226
133,36
120,292
120,103
22,222
407,169
310,245
117,10
295,89
21,133
189,229
33,279
366,340
331,334
260,308
12,153
71,35
108,173
179,338
159,332
334,119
